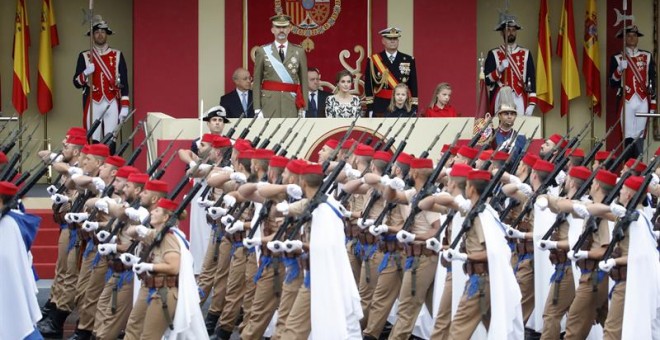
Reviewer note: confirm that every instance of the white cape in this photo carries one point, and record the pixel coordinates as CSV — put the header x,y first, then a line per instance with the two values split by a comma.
x,y
543,268
200,231
506,321
19,308
642,299
335,301
188,320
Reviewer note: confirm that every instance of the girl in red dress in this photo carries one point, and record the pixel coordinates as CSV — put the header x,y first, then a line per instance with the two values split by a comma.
x,y
439,106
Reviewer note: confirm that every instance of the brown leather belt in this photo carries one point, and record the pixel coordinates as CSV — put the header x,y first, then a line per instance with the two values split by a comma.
x,y
587,264
266,252
524,247
160,281
235,237
354,231
478,268
389,246
116,265
558,256
619,273
367,238
418,249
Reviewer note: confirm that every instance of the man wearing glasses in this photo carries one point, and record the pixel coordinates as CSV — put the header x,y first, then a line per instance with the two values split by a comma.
x,y
240,100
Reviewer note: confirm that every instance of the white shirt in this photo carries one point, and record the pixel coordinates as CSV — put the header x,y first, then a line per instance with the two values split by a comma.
x,y
277,47
391,56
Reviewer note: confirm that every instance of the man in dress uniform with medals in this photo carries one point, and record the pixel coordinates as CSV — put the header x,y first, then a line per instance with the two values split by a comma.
x,y
280,74
387,69
511,65
105,69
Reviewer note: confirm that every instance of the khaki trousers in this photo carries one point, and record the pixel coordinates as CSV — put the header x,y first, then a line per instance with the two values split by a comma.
x,y
87,310
265,300
235,289
614,322
147,320
355,261
60,264
471,310
368,282
249,289
289,294
108,325
443,319
220,277
209,266
409,304
84,277
299,324
586,307
525,278
66,300
553,313
384,295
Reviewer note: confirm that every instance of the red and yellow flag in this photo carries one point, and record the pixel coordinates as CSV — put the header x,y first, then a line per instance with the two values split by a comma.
x,y
47,41
21,84
570,77
590,56
544,92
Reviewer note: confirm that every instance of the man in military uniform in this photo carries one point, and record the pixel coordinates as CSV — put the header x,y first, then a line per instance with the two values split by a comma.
x,y
640,74
105,70
511,65
387,69
505,137
280,74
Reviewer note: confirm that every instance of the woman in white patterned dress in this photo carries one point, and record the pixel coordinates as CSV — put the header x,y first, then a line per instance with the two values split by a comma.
x,y
342,104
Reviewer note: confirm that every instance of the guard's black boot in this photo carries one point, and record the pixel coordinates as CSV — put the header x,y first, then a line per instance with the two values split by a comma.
x,y
46,308
222,334
368,337
53,327
211,321
81,334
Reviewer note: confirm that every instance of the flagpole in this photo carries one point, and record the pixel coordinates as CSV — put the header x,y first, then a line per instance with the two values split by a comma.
x,y
45,146
624,57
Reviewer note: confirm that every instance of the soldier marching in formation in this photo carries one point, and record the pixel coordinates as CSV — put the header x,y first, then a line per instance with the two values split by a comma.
x,y
494,242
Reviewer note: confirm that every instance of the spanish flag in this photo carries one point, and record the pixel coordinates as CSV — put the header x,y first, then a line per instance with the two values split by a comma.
x,y
544,92
590,56
570,78
21,86
47,41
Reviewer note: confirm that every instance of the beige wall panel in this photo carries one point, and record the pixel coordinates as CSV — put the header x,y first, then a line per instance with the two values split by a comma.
x,y
400,14
211,51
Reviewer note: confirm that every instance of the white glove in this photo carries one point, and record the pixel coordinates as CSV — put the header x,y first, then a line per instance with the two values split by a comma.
x,y
123,113
530,110
581,254
606,266
542,203
140,268
405,237
397,184
581,210
79,217
454,255
137,215
503,66
294,191
59,199
275,246
98,183
385,180
204,203
141,231
237,226
292,245
227,220
74,170
216,212
107,249
261,185
258,113
378,229
433,244
68,217
129,259
192,164
52,190
205,167
90,226
656,234
547,244
463,204
440,193
347,213
618,210
89,69
623,64
238,177
447,171
655,180
228,168
102,205
229,200
515,233
514,179
525,189
102,235
561,177
352,173
282,207
251,242
56,158
364,224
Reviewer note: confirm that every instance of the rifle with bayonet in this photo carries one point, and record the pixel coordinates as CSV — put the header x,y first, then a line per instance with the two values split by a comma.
x,y
371,135
138,150
232,130
302,143
96,123
257,138
124,146
573,142
156,163
592,153
390,142
283,151
266,141
246,130
158,174
278,145
109,137
343,139
425,153
379,144
4,125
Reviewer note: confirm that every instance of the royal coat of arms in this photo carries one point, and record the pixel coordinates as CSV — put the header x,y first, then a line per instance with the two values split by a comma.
x,y
309,17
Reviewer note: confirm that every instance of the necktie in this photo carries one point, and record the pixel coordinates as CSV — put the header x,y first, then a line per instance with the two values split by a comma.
x,y
282,52
244,101
392,58
313,109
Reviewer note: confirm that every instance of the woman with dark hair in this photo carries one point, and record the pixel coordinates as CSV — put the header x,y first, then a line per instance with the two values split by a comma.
x,y
342,104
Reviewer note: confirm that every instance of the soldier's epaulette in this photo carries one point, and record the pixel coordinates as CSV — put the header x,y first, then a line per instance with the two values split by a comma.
x,y
296,45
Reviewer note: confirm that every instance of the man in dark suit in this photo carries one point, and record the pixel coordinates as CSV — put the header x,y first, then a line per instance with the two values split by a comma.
x,y
316,106
240,100
387,69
